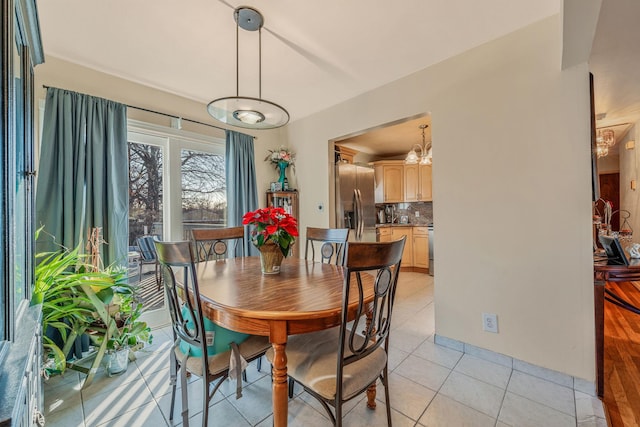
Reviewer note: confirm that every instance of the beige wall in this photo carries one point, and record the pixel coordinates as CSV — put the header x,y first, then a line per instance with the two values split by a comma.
x,y
59,73
512,221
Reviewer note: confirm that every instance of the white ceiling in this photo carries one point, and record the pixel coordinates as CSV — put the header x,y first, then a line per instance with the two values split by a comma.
x,y
315,53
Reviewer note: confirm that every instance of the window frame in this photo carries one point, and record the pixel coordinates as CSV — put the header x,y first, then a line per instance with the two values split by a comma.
x,y
172,141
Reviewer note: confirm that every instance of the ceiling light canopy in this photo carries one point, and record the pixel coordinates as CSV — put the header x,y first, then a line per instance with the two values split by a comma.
x,y
426,156
244,111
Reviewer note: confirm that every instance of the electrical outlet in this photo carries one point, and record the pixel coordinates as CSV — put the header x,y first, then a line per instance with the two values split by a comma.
x,y
417,214
490,322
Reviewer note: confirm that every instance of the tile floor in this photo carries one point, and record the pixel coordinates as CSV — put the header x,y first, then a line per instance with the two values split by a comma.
x,y
431,385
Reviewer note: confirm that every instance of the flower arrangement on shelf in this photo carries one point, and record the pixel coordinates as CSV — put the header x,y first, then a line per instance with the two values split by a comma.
x,y
281,155
273,225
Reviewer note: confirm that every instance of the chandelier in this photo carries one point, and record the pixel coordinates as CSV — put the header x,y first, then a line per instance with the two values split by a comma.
x,y
426,155
244,111
605,139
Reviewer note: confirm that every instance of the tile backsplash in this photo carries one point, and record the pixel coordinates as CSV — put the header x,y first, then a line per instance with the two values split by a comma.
x,y
424,211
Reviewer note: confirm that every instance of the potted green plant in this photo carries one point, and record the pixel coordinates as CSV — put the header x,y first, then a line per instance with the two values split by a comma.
x,y
79,297
71,298
132,335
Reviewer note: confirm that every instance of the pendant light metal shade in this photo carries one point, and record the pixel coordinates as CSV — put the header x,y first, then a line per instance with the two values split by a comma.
x,y
244,111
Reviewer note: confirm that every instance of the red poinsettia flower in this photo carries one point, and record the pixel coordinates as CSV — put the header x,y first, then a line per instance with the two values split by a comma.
x,y
272,225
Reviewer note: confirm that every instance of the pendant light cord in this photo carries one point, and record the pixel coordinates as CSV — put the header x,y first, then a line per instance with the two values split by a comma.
x,y
237,12
260,62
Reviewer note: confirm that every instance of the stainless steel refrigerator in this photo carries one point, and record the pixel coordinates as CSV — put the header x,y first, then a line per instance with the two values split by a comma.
x,y
355,204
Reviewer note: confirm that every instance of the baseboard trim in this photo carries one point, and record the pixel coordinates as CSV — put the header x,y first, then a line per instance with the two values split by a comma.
x,y
556,377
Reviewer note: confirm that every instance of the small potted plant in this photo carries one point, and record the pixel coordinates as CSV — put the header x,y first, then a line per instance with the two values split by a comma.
x,y
273,234
131,334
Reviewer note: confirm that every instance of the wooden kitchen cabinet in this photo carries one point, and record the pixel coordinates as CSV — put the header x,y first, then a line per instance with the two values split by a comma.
x,y
389,182
417,183
425,193
421,247
383,234
407,255
416,248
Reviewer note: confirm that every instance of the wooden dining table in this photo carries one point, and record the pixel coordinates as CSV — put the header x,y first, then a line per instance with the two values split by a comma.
x,y
304,297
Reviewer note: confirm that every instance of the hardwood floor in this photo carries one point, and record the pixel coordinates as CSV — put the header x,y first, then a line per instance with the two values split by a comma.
x,y
622,358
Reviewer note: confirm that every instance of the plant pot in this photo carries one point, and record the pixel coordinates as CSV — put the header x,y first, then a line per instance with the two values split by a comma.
x,y
117,362
270,258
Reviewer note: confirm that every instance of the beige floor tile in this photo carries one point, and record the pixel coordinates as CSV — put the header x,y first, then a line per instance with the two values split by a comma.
x,y
474,393
444,411
522,412
423,372
106,406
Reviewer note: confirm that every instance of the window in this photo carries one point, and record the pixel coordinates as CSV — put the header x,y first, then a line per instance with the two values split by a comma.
x,y
176,182
145,191
204,191
16,229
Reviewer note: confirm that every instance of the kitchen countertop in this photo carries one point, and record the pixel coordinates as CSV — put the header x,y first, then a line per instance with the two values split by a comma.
x,y
400,225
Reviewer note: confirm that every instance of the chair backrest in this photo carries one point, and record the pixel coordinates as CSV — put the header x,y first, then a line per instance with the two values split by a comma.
x,y
330,241
187,319
213,243
382,260
147,248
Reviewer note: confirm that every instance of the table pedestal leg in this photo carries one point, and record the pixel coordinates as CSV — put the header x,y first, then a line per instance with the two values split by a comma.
x,y
279,376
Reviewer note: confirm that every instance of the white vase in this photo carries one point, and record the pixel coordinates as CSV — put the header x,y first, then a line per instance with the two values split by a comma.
x,y
118,362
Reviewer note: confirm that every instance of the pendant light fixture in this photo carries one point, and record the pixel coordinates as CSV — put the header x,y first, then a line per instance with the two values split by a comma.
x,y
426,156
244,111
605,139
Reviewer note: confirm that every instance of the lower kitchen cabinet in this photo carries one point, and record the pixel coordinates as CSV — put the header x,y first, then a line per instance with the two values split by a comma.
x,y
407,255
416,247
420,247
384,234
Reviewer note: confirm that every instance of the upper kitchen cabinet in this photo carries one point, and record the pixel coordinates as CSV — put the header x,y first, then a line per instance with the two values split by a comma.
x,y
389,181
417,183
345,154
397,182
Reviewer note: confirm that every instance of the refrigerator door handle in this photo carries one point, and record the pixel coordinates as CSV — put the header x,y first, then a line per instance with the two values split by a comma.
x,y
356,212
360,215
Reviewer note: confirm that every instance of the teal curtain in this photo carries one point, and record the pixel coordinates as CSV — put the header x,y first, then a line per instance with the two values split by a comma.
x,y
83,174
242,192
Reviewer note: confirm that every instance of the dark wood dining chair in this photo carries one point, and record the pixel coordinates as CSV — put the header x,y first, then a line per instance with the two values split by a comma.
x,y
330,243
188,326
218,243
338,364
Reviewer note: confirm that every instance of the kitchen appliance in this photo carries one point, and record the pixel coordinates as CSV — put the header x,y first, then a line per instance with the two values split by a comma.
x,y
430,233
355,204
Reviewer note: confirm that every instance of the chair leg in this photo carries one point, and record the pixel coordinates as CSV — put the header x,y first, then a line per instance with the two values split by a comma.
x,y
185,400
139,271
259,364
205,409
387,401
173,381
158,276
291,384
